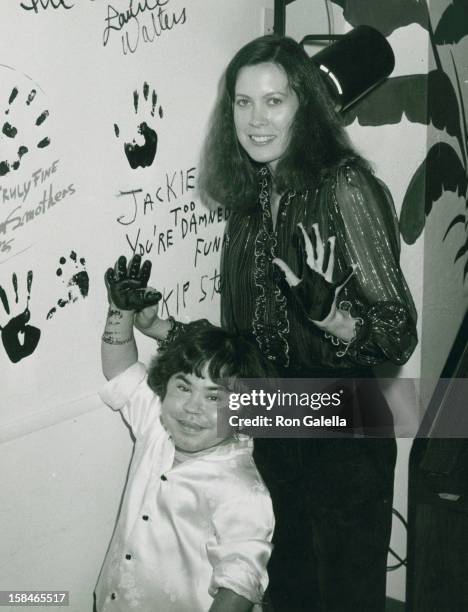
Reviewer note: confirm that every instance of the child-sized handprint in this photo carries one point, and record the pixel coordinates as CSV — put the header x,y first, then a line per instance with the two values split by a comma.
x,y
19,338
77,285
10,129
141,156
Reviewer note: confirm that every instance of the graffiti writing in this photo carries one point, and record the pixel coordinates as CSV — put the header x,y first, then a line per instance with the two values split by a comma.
x,y
184,217
18,217
156,220
175,185
22,210
21,191
35,5
176,297
204,247
141,246
144,20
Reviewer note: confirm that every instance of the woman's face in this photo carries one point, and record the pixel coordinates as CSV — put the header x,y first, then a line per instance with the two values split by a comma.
x,y
264,110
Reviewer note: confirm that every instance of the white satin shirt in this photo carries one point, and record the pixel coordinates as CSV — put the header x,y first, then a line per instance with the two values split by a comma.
x,y
185,531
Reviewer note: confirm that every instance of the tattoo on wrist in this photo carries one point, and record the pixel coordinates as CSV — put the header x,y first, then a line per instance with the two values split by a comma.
x,y
109,338
114,313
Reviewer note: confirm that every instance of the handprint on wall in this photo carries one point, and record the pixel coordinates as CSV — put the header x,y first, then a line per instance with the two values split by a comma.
x,y
141,156
19,339
17,129
77,285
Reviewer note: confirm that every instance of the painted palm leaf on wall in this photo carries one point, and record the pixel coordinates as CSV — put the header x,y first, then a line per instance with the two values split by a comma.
x,y
384,15
441,170
453,25
403,95
444,168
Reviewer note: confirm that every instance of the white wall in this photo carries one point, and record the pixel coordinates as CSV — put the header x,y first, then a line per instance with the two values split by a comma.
x,y
88,89
60,493
64,456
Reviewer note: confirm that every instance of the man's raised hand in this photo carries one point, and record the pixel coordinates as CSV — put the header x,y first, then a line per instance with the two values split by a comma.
x,y
127,284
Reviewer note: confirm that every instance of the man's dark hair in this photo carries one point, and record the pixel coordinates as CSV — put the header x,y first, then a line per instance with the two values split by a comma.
x,y
227,355
318,142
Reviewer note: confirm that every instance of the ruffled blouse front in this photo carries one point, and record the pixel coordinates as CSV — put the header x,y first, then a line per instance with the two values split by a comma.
x,y
356,208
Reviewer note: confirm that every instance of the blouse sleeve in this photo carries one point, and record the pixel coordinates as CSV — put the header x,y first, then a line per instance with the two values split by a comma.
x,y
244,529
364,220
129,392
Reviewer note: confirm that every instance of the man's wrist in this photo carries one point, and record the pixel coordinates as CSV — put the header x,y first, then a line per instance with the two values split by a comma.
x,y
164,327
114,308
119,326
116,315
112,338
173,330
156,328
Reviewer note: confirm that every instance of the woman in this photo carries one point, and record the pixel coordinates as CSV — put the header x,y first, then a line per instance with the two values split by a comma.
x,y
310,269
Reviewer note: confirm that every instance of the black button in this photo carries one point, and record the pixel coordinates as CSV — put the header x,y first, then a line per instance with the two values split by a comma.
x,y
145,517
163,478
113,596
128,557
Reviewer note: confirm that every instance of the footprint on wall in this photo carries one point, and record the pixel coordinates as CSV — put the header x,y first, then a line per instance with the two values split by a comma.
x,y
72,272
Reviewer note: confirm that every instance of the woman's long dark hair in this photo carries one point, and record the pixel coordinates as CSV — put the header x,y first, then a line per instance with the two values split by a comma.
x,y
318,140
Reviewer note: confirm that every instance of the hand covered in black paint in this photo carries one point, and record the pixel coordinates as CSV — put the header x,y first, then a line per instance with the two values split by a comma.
x,y
127,285
316,291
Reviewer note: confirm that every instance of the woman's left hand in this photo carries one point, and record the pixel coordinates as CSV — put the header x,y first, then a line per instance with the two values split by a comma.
x,y
316,291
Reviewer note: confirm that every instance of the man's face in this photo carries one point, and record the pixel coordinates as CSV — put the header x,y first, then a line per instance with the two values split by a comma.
x,y
189,411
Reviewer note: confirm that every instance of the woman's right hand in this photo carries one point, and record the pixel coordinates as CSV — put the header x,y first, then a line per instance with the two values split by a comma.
x,y
316,291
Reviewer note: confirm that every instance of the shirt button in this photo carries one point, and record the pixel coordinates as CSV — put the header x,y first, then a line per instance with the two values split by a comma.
x,y
113,596
163,478
145,517
128,557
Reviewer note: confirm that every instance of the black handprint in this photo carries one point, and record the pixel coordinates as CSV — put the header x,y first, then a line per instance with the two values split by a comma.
x,y
127,284
78,284
16,349
141,156
10,131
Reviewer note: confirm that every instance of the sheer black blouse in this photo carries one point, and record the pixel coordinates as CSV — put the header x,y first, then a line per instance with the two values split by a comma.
x,y
357,208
